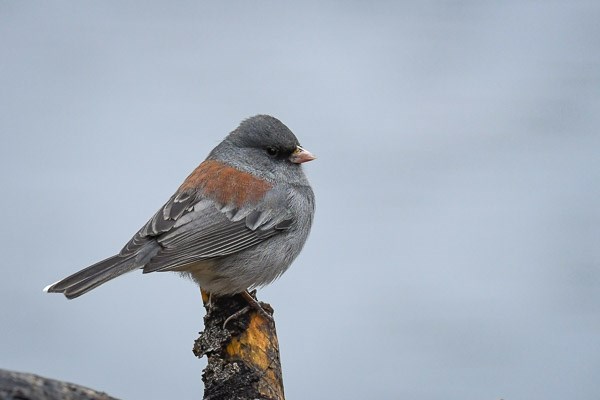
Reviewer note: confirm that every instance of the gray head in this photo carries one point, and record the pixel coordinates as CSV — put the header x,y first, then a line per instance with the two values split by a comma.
x,y
264,146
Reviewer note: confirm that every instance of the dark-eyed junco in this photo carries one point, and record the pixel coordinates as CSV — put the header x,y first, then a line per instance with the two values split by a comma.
x,y
236,223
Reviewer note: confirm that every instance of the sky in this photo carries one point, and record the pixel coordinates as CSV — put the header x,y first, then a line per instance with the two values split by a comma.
x,y
455,251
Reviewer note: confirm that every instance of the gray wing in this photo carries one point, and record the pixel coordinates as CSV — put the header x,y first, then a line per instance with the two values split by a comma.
x,y
191,228
164,219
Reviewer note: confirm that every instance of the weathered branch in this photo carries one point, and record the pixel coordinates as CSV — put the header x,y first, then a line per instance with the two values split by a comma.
x,y
243,357
243,360
23,386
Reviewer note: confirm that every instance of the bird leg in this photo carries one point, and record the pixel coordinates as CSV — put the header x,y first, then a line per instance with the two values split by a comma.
x,y
255,304
235,315
252,303
207,300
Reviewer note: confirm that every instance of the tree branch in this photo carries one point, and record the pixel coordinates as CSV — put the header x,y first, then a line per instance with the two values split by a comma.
x,y
23,386
243,360
243,357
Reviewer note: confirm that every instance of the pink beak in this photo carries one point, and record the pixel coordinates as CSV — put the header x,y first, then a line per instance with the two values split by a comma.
x,y
301,155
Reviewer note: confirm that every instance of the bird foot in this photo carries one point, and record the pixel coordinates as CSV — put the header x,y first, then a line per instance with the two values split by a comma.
x,y
252,303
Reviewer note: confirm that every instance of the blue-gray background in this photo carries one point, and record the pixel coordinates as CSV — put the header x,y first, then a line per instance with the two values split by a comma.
x,y
455,252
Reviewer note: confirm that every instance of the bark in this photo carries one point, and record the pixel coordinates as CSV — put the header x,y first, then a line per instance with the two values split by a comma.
x,y
23,386
243,356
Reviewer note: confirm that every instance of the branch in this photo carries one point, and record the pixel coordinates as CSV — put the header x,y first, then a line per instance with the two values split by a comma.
x,y
20,386
243,357
243,360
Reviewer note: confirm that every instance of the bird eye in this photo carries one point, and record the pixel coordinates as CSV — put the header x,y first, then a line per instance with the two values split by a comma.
x,y
272,151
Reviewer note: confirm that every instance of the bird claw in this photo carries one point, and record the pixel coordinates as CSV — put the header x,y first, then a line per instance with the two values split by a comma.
x,y
235,315
252,303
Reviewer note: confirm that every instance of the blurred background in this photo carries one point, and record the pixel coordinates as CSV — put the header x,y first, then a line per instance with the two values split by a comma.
x,y
456,247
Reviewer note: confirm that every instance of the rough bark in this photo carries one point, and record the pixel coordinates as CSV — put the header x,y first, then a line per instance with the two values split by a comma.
x,y
243,356
23,386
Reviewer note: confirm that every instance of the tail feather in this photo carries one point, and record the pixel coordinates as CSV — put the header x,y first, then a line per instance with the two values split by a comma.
x,y
93,276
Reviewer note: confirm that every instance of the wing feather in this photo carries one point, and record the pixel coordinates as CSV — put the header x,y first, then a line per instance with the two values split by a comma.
x,y
203,229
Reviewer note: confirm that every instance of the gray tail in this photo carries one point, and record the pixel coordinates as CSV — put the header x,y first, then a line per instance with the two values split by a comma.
x,y
93,276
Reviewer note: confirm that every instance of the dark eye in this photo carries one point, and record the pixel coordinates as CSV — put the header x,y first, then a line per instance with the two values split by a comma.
x,y
272,151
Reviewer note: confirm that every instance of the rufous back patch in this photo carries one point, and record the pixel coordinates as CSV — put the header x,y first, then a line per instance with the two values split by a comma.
x,y
226,184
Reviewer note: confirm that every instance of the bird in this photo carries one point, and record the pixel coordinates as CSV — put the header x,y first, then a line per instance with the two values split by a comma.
x,y
236,223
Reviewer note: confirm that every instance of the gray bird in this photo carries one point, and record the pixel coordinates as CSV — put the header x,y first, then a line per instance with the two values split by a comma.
x,y
236,223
